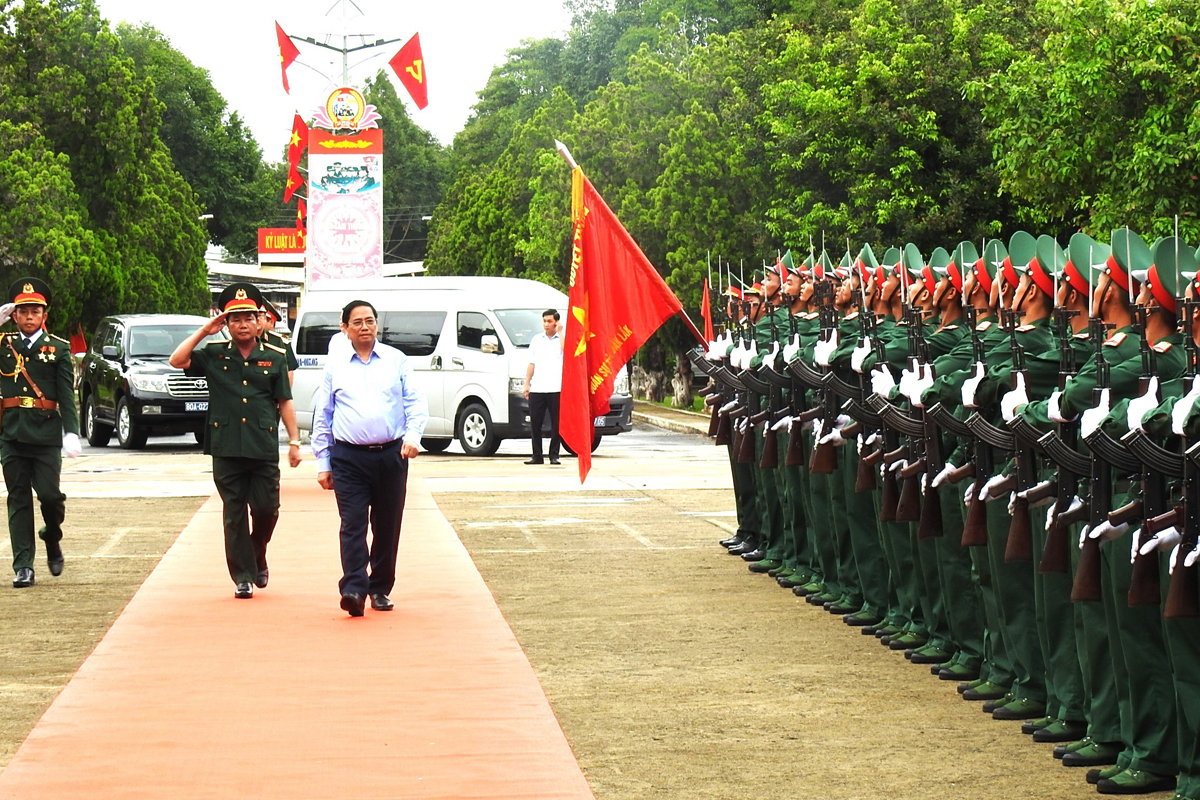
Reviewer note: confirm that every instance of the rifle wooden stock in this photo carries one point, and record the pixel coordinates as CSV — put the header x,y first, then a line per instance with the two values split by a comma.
x,y
770,453
1087,574
1183,595
1127,513
1056,554
956,476
930,524
865,481
812,414
1041,492
1156,525
745,453
714,419
724,430
795,452
714,399
908,508
893,456
1004,487
851,430
912,470
975,533
889,497
1144,586
823,460
872,458
1020,534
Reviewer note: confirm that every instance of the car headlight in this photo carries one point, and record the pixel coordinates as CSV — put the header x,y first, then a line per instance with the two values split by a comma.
x,y
621,384
147,382
516,386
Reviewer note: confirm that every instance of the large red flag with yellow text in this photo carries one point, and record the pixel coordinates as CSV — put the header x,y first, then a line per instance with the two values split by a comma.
x,y
617,301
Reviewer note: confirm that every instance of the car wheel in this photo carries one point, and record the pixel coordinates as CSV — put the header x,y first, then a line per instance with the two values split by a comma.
x,y
596,437
130,435
97,433
435,445
475,431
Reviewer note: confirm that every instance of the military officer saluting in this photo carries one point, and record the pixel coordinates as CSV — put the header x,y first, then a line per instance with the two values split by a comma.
x,y
248,393
37,383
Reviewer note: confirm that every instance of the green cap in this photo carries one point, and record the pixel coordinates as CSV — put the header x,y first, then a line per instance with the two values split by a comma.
x,y
1129,257
1088,258
1172,258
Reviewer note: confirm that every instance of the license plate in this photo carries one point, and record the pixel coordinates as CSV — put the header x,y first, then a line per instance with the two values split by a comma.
x,y
196,406
599,422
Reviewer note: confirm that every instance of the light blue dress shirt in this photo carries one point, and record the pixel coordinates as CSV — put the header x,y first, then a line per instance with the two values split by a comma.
x,y
368,402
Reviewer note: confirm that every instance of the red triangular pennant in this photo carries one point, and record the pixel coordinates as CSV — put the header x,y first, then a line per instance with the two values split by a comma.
x,y
409,66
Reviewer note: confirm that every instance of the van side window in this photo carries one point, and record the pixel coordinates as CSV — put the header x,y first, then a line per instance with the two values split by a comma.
x,y
315,332
415,333
472,327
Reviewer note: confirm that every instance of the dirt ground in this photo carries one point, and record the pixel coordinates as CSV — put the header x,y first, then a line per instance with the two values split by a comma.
x,y
676,673
48,630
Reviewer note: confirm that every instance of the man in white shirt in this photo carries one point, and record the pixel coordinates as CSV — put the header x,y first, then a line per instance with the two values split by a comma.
x,y
543,382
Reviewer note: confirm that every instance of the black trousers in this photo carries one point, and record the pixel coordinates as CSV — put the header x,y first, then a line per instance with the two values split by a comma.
x,y
540,404
370,486
29,468
254,484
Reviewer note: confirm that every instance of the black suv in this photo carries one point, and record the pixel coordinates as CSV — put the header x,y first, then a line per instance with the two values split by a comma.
x,y
128,387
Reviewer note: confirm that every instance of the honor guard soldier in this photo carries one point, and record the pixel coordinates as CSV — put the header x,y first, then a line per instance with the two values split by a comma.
x,y
37,382
268,318
248,394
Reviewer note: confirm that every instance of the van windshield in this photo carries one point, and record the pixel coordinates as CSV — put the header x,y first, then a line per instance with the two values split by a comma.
x,y
521,324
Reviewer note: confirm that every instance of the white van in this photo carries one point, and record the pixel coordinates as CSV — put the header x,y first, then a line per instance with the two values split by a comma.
x,y
467,339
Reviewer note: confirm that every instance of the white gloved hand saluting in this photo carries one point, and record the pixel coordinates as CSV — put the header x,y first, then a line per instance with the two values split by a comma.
x,y
1014,399
823,350
882,382
1091,420
71,447
971,385
6,312
860,355
1139,407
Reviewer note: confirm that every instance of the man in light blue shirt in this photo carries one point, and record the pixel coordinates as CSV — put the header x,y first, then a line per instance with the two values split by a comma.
x,y
368,417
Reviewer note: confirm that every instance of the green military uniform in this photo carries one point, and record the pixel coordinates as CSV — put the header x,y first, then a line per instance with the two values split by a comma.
x,y
243,438
37,383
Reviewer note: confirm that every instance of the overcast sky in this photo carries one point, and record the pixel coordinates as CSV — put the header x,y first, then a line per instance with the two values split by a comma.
x,y
234,40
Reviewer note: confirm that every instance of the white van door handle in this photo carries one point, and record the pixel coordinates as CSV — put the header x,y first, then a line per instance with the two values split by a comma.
x,y
458,362
435,362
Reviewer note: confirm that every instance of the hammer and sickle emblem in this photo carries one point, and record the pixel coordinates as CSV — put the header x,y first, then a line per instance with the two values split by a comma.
x,y
416,70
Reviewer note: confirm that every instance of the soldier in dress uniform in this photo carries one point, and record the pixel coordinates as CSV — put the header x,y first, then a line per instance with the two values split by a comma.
x,y
37,383
248,393
268,318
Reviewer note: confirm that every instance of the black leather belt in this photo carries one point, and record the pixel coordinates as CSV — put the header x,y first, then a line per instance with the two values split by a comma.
x,y
370,447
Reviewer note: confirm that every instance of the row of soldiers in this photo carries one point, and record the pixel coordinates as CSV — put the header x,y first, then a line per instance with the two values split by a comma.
x,y
988,461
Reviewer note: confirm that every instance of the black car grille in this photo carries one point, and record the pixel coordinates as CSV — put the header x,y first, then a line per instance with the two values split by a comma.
x,y
184,386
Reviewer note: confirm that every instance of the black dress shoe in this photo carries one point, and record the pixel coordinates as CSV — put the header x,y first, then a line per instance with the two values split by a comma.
x,y
754,555
23,578
534,461
243,591
732,541
54,557
260,580
353,603
380,602
747,545
555,461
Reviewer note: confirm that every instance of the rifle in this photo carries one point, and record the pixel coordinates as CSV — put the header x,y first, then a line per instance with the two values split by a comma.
x,y
1183,593
824,457
1087,575
1144,588
864,481
975,532
1020,530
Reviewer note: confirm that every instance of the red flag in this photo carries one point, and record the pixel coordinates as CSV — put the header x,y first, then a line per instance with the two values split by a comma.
x,y
301,214
409,66
298,142
617,301
78,342
288,53
294,182
706,313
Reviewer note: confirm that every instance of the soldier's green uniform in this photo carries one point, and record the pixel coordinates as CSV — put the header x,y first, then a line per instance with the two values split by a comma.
x,y
37,383
243,439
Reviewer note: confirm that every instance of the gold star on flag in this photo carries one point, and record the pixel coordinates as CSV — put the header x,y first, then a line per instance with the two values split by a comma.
x,y
581,314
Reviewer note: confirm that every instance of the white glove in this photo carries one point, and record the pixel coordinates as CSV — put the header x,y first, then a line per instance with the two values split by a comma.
x,y
834,437
1164,540
1039,503
858,443
1183,407
1090,422
971,385
710,352
1012,503
882,382
1014,399
924,482
818,425
898,464
860,355
786,422
1107,531
808,425
989,489
6,312
872,439
1083,536
1174,560
1190,560
969,494
730,406
922,382
823,350
1075,504
792,350
941,477
1139,407
71,447
1053,408
907,378
774,353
